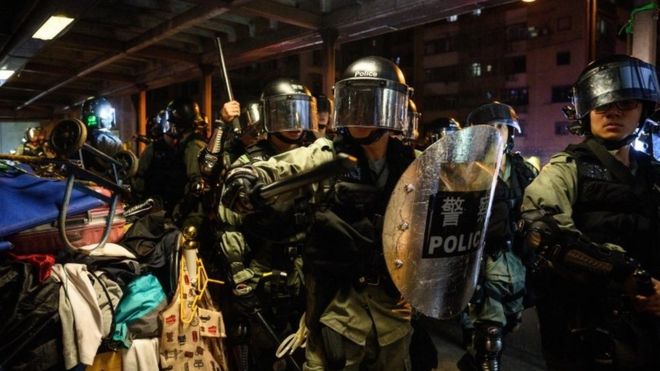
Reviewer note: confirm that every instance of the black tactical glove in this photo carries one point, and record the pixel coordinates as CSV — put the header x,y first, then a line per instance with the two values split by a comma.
x,y
239,184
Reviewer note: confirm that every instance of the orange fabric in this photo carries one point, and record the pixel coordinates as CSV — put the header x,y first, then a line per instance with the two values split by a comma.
x,y
108,361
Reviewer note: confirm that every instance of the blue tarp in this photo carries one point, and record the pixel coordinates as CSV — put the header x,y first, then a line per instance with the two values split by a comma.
x,y
27,201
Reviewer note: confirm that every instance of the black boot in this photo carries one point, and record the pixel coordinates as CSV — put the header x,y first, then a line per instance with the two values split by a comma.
x,y
468,335
486,350
488,346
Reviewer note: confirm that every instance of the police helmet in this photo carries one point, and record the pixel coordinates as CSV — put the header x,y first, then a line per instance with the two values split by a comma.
x,y
612,79
494,114
251,119
156,124
438,128
288,106
32,135
372,93
98,113
182,114
412,129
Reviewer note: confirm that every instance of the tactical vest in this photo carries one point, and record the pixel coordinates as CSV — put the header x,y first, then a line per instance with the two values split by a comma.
x,y
507,199
261,151
105,142
356,199
623,209
615,206
272,231
166,176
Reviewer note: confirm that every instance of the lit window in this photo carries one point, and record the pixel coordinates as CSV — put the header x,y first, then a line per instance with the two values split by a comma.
x,y
476,69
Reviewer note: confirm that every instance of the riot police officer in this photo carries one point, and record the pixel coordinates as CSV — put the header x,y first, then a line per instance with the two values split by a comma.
x,y
33,143
357,318
324,107
269,240
99,117
435,130
169,167
412,133
251,127
497,306
593,216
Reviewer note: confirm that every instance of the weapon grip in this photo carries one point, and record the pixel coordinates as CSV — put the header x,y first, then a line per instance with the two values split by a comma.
x,y
584,261
214,146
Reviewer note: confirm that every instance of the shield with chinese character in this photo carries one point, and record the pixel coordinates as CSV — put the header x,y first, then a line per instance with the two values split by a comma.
x,y
436,220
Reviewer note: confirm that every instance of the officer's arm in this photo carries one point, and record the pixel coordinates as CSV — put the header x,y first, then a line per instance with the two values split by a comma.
x,y
572,255
241,181
189,210
294,161
138,181
549,229
191,155
555,188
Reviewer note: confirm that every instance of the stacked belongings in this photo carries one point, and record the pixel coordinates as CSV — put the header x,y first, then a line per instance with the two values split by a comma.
x,y
54,310
76,295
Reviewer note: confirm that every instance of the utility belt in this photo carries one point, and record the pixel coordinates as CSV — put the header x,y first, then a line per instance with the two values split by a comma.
x,y
496,295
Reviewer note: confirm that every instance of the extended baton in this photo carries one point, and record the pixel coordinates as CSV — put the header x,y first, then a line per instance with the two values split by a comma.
x,y
223,69
277,340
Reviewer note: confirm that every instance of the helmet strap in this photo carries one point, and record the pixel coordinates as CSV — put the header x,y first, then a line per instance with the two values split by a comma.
x,y
612,145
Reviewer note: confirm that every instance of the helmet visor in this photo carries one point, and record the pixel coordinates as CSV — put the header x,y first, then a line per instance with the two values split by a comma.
x,y
371,103
412,131
290,113
252,119
614,82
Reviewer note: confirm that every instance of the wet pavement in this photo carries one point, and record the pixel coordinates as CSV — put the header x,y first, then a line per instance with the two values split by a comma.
x,y
522,348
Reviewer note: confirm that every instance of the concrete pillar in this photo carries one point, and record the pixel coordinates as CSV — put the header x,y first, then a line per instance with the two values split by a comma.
x,y
329,37
207,88
142,117
645,34
591,11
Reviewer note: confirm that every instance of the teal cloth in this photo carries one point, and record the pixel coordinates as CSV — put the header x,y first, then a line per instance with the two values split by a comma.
x,y
141,297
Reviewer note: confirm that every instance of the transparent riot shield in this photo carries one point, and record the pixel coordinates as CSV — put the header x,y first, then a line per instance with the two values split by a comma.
x,y
436,220
648,137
